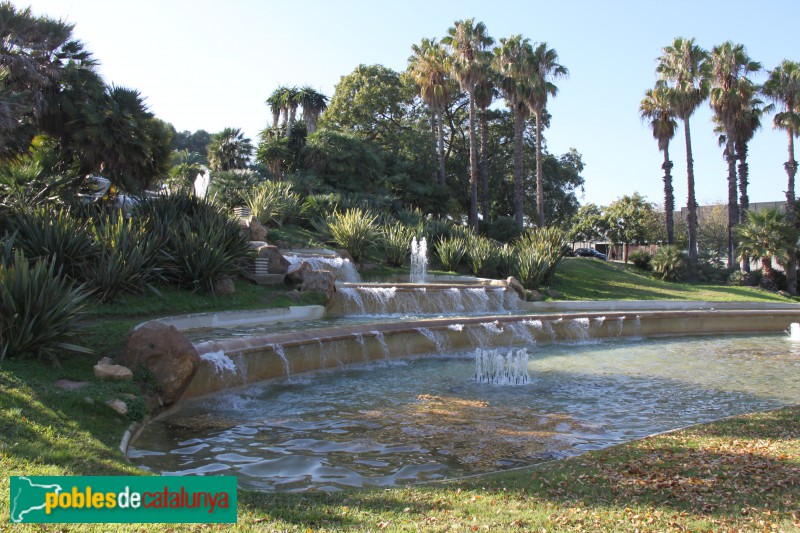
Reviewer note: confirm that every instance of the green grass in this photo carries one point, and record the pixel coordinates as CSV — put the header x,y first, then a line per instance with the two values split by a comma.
x,y
579,278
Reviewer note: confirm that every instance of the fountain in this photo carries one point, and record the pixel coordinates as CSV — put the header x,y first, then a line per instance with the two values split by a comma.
x,y
342,268
419,260
501,367
201,184
794,331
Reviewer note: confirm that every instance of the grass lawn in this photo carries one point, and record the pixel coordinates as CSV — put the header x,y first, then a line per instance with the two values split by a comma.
x,y
738,474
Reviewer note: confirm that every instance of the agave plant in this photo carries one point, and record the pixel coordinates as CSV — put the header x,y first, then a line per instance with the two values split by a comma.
x,y
38,309
538,254
354,230
451,252
483,255
396,243
273,202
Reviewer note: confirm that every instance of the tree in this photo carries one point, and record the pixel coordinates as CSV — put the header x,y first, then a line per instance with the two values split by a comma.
x,y
783,88
229,150
513,61
468,42
730,66
545,70
186,166
344,161
588,224
657,108
767,235
628,220
484,96
313,104
429,68
683,64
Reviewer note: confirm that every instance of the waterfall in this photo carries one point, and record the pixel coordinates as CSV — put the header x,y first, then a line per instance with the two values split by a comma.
x,y
221,362
419,260
343,269
501,367
794,331
201,184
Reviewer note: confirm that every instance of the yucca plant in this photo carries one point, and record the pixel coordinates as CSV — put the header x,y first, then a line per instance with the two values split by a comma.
x,y
451,252
354,230
483,256
438,228
125,259
669,263
396,243
507,266
53,235
38,309
539,252
273,202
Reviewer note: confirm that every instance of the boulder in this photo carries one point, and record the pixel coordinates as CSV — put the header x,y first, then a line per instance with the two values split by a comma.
x,y
277,263
319,281
118,405
105,371
224,286
257,230
516,286
164,351
297,272
533,296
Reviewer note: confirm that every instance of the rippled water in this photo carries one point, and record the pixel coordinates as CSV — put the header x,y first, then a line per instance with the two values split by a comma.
x,y
428,418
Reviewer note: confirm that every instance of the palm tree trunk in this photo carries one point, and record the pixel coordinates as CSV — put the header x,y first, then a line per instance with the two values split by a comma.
x,y
791,171
484,164
733,206
691,202
518,128
539,173
435,149
766,268
744,199
473,166
440,136
290,122
669,196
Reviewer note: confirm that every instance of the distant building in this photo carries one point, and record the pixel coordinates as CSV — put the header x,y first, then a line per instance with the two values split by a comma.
x,y
754,206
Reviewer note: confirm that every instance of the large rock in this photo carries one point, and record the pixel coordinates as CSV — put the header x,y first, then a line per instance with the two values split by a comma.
x,y
165,352
224,287
105,371
257,230
277,263
319,281
516,286
297,272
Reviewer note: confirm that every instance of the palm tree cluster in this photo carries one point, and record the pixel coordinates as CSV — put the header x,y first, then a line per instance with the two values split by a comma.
x,y
688,76
284,101
523,73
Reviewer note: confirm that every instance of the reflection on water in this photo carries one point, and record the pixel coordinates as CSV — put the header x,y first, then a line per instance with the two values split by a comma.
x,y
423,419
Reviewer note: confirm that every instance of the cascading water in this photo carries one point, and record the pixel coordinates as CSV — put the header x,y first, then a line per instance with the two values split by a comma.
x,y
501,367
201,184
419,260
794,332
343,269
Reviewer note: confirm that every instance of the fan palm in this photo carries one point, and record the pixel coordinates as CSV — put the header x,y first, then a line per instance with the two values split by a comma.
x,y
766,235
275,103
783,88
657,108
313,104
512,61
429,68
228,150
730,66
545,70
683,66
468,42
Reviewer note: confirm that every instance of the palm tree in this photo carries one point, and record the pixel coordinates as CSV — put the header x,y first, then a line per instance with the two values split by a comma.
x,y
766,235
657,108
228,150
275,103
186,166
429,68
313,103
291,101
484,95
513,62
468,42
783,88
730,66
683,64
545,70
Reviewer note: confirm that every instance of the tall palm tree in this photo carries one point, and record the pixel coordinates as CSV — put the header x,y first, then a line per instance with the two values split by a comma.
x,y
730,66
513,63
545,70
291,101
683,66
484,95
468,42
313,104
275,103
657,108
429,68
783,88
228,150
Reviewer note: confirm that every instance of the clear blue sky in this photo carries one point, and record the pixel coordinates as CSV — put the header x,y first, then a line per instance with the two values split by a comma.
x,y
209,64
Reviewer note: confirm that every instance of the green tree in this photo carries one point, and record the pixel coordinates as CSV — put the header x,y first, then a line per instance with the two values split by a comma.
x,y
657,108
313,104
545,70
588,224
468,42
344,161
730,66
683,66
767,235
186,166
229,150
628,220
484,96
783,88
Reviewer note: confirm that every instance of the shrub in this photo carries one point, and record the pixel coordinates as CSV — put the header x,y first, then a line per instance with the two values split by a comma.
x,y
396,243
450,251
670,263
743,279
354,230
641,259
709,268
229,188
439,228
272,201
507,265
503,229
125,259
38,309
539,252
483,256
